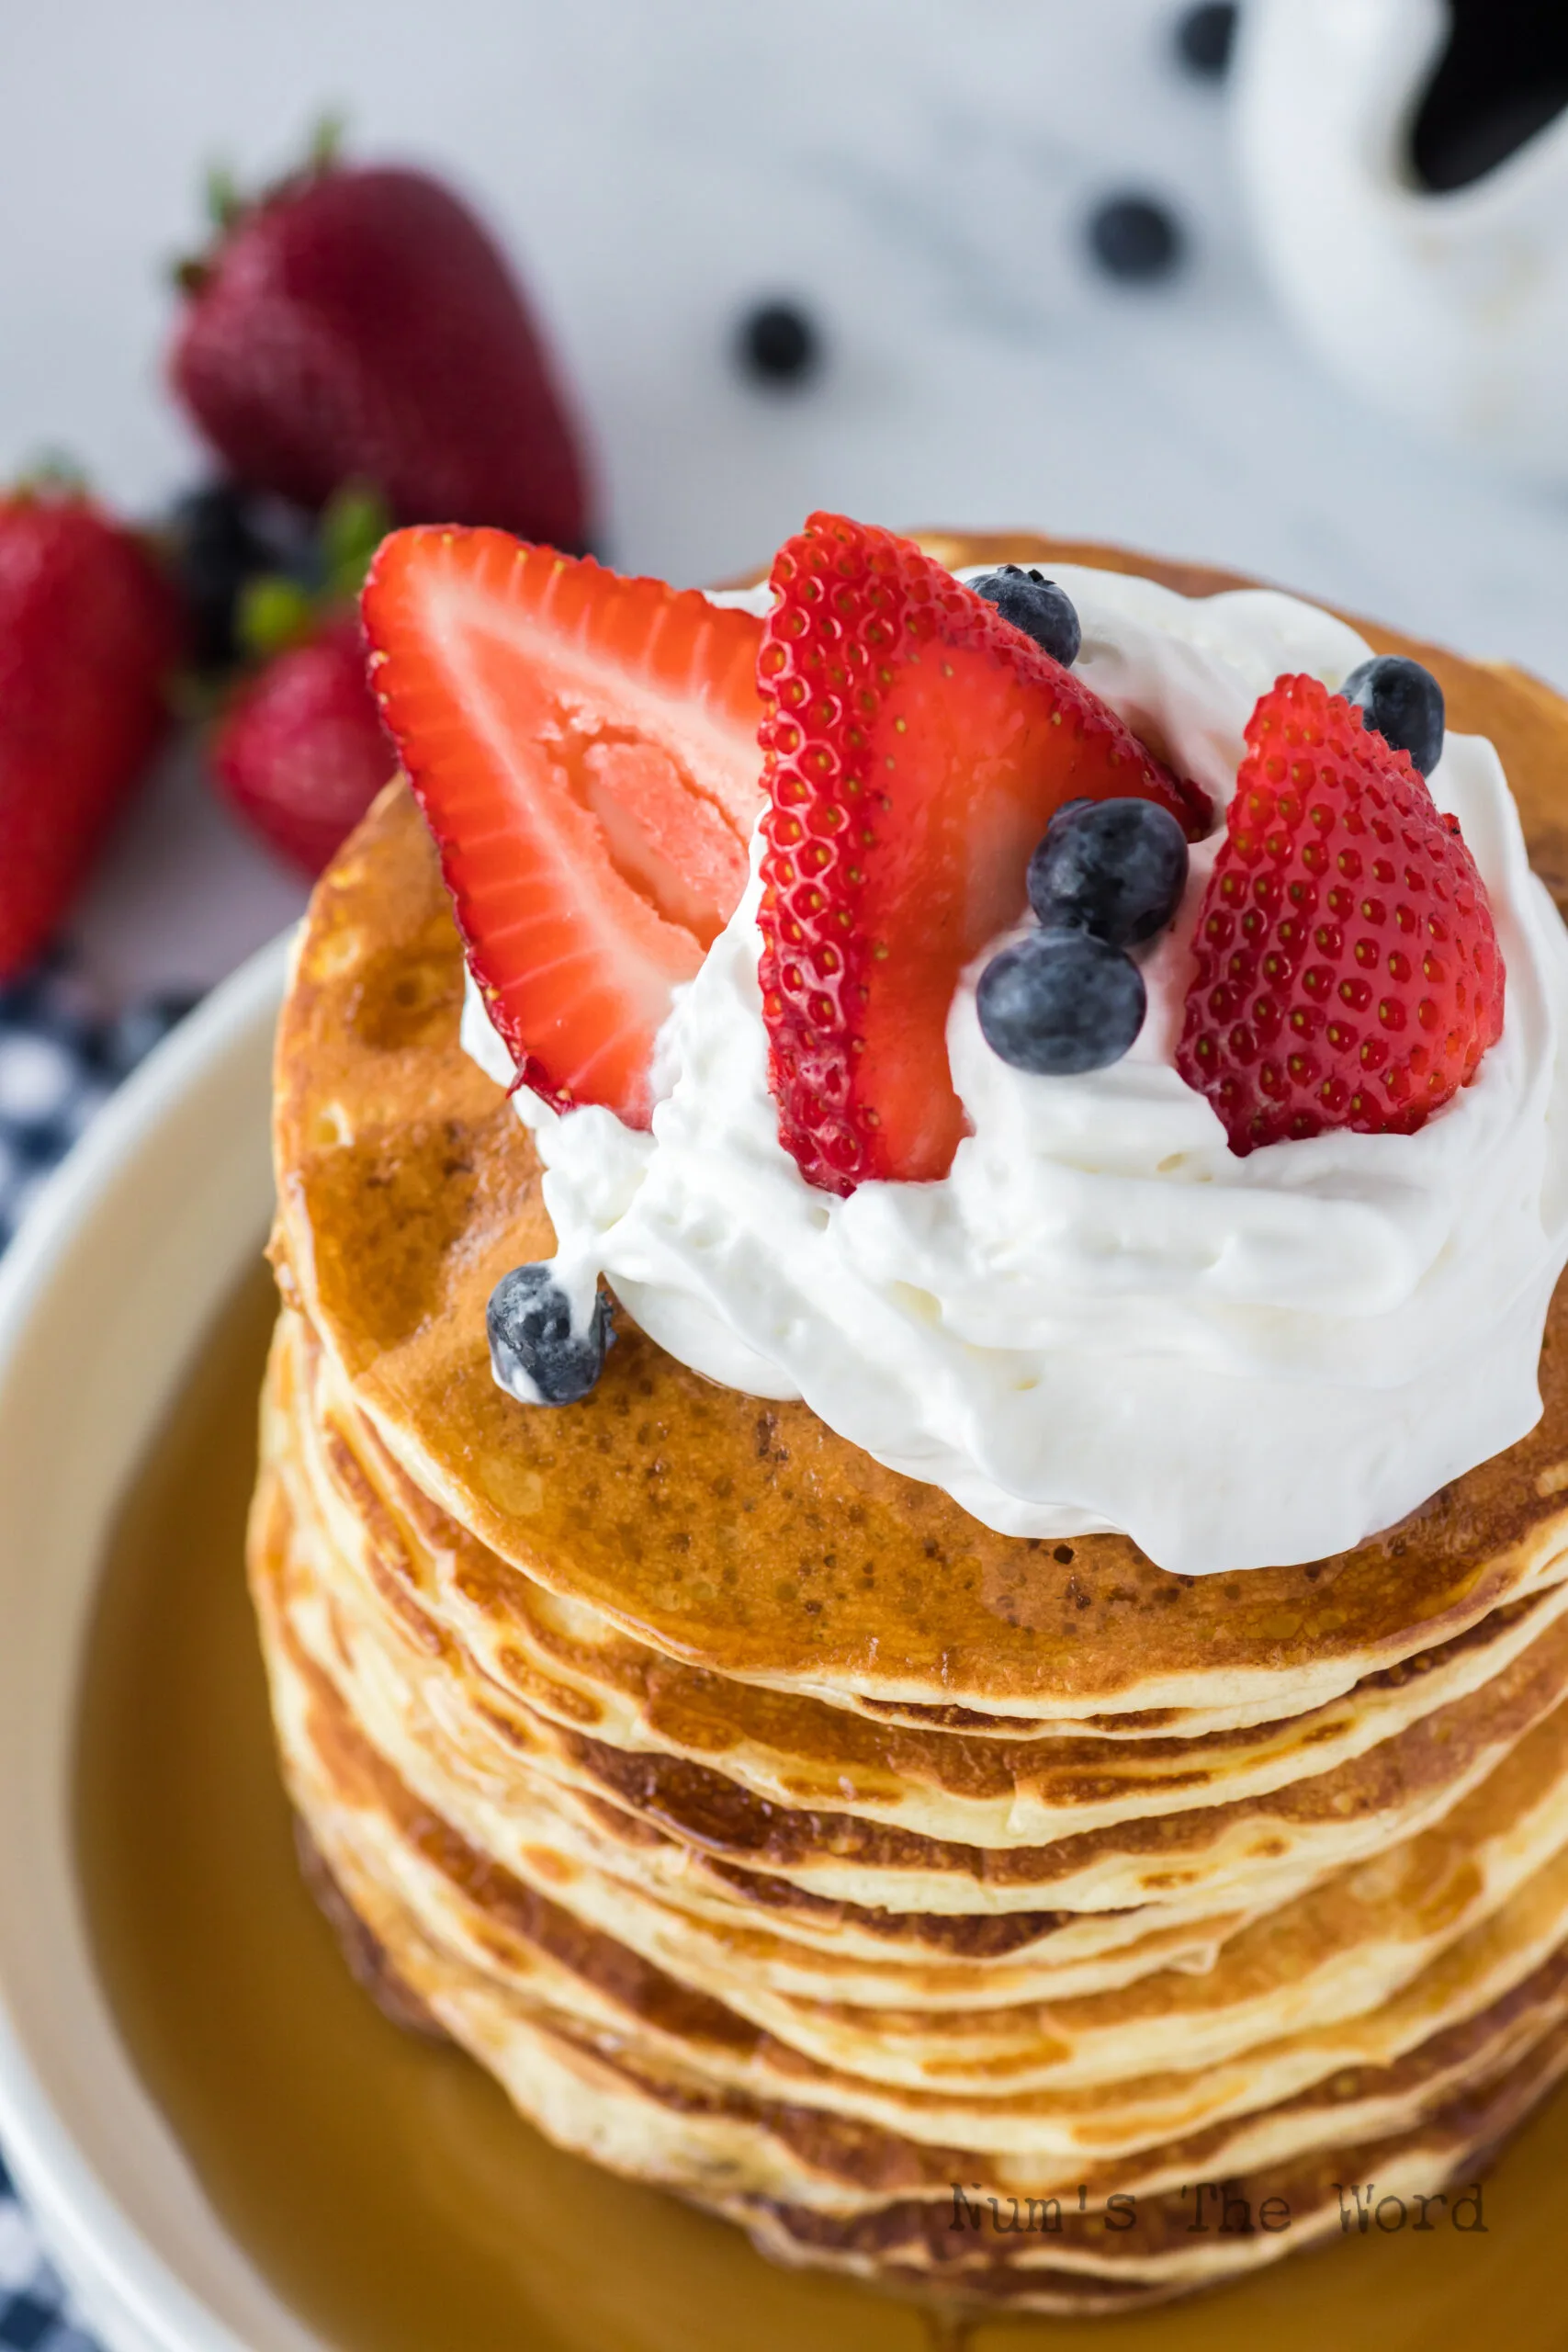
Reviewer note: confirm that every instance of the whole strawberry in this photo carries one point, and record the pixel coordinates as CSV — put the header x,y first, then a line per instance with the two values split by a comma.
x,y
1347,971
90,633
360,325
300,752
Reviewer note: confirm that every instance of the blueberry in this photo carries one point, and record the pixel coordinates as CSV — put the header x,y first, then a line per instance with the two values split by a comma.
x,y
216,542
1403,704
1206,36
1061,1002
1134,238
1114,867
1037,606
779,344
535,1352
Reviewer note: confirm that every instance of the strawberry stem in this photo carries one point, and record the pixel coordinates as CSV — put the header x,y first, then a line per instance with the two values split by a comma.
x,y
54,473
224,203
325,150
354,523
276,609
274,614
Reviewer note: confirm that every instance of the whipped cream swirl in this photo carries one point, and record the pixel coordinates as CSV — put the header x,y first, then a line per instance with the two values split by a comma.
x,y
1100,1318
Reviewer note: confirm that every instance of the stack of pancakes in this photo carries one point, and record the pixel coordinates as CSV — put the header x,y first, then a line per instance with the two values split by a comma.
x,y
962,1911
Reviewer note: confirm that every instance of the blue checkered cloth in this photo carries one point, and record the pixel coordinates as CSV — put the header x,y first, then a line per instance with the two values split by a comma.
x,y
61,1055
35,2311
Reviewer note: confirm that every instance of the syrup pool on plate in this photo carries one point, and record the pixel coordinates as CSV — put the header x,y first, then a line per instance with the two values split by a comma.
x,y
380,2182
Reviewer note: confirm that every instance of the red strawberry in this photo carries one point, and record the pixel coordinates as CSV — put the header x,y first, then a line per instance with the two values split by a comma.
x,y
1348,972
300,751
584,748
917,745
361,324
89,634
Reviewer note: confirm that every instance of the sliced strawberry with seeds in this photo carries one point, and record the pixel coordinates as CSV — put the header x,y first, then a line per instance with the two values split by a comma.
x,y
1347,971
917,745
584,748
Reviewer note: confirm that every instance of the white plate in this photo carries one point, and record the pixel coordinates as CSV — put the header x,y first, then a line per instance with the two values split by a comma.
x,y
104,1296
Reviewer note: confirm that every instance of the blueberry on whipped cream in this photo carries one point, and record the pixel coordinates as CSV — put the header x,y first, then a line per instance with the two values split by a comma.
x,y
1038,606
538,1351
1108,875
1113,867
1403,703
1061,1002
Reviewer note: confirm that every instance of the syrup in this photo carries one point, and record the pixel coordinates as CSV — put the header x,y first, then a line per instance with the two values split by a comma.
x,y
382,2183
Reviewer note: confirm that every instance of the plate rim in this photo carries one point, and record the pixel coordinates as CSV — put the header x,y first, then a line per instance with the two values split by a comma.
x,y
187,2287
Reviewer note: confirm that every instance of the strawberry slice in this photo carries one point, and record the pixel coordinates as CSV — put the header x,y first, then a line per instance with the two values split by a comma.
x,y
584,749
917,745
1345,971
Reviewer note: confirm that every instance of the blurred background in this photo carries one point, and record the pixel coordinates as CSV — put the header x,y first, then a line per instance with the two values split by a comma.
x,y
1133,271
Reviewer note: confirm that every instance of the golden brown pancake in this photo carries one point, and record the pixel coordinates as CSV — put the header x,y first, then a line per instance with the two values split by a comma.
x,y
1214,1851
619,2059
777,1832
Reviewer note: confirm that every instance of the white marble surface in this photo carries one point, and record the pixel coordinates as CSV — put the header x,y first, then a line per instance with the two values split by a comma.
x,y
916,170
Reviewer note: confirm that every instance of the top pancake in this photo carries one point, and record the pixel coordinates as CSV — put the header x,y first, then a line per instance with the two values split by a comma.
x,y
746,1536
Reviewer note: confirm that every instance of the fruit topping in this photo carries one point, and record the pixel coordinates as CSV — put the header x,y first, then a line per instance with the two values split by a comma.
x,y
90,635
1061,1002
584,748
215,541
535,1350
359,324
1403,703
1348,972
1136,238
779,345
300,751
1113,867
1108,875
1036,605
1206,37
916,745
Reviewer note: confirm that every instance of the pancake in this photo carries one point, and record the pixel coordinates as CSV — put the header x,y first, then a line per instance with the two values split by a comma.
x,y
620,2063
777,1832
1356,1937
1238,1851
570,1666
